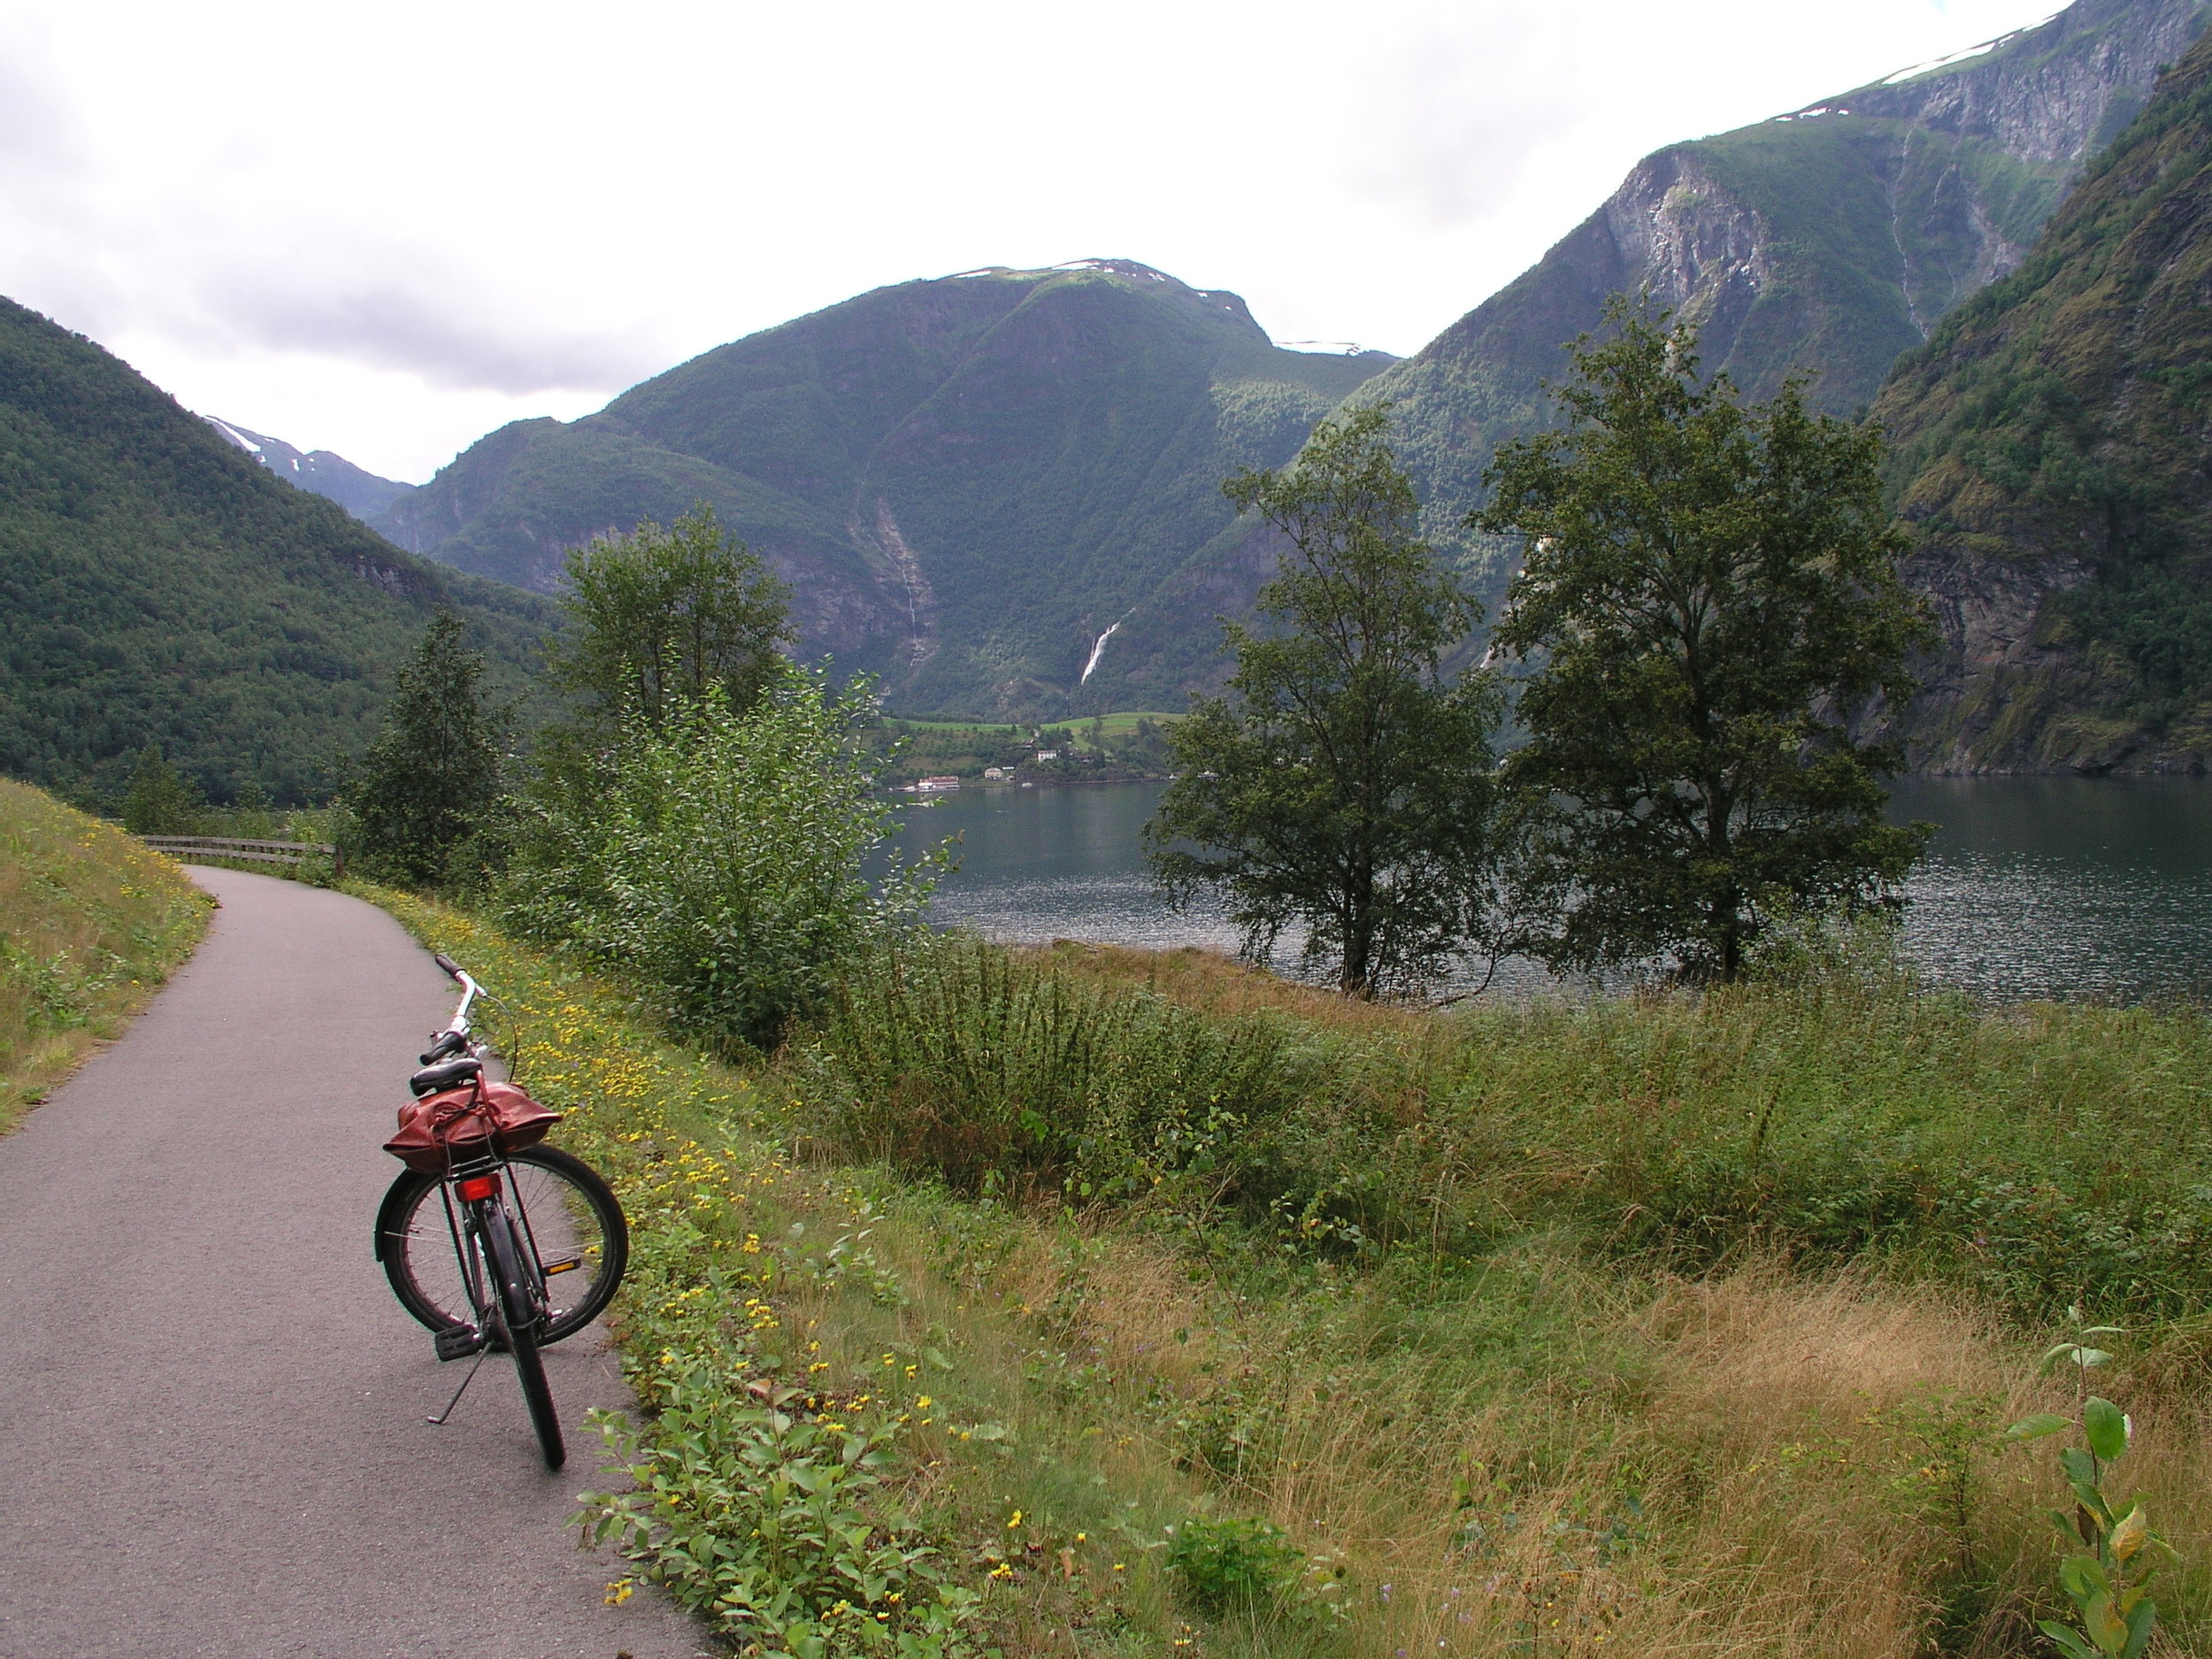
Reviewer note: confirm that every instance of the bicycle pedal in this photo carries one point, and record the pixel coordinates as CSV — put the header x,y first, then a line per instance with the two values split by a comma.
x,y
459,1342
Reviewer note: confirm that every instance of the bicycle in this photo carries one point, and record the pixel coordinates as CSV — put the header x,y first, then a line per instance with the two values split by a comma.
x,y
488,1267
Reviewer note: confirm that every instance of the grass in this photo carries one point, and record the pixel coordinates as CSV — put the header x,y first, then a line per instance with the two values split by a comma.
x,y
1581,1370
91,923
1122,725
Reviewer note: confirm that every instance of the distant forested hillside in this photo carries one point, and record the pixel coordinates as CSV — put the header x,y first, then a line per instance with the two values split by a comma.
x,y
2053,446
966,482
159,586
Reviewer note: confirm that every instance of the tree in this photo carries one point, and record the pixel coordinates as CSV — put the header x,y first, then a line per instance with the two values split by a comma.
x,y
1709,592
161,799
1346,783
431,782
251,817
656,617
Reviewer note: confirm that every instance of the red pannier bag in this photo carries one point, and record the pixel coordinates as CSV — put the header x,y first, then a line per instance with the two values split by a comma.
x,y
442,1129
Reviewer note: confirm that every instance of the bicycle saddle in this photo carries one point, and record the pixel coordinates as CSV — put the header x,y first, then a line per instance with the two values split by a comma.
x,y
431,1079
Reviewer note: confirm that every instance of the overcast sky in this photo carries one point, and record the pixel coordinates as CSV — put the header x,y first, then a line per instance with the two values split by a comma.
x,y
385,229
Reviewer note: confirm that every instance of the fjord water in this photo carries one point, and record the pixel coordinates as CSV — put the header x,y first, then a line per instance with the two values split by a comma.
x,y
2032,888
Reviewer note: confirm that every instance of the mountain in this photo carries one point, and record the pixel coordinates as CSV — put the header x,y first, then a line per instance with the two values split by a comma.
x,y
1827,241
970,483
2052,445
361,493
159,586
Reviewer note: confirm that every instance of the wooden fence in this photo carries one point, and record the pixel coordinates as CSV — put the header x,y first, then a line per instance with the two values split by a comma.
x,y
258,852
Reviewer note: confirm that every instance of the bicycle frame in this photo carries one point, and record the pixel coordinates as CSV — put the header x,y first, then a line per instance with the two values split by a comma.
x,y
467,1191
478,1184
502,1277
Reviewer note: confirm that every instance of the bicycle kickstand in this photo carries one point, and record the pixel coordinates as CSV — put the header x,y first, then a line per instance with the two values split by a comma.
x,y
439,1421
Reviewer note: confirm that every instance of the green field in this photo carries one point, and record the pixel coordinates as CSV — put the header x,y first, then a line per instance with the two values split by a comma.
x,y
1112,724
1129,744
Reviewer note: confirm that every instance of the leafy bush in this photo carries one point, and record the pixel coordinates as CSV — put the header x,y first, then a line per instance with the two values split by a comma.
x,y
762,1518
1231,1566
714,860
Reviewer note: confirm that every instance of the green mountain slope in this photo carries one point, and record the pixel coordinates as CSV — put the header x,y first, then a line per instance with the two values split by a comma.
x,y
967,482
2053,444
1829,239
159,586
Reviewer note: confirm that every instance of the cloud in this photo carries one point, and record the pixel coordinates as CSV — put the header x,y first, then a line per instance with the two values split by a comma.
x,y
41,141
228,288
95,230
448,337
1448,128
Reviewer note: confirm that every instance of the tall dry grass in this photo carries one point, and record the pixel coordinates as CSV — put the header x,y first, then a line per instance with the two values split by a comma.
x,y
91,923
1564,1461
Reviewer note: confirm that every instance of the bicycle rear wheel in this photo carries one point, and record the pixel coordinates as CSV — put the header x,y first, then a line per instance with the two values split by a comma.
x,y
517,1298
570,1222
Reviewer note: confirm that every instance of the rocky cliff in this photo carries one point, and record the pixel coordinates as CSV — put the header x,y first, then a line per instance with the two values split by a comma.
x,y
2052,447
1824,242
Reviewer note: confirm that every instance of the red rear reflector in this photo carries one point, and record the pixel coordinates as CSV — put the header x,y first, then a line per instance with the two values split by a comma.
x,y
477,1186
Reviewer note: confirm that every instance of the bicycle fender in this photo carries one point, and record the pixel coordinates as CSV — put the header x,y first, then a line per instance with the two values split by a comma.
x,y
387,1212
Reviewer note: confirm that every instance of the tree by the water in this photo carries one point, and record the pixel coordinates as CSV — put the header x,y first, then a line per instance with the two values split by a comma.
x,y
1347,783
1709,593
655,618
432,781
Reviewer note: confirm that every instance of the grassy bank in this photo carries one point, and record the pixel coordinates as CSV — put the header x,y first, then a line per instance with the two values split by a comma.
x,y
91,923
1104,1302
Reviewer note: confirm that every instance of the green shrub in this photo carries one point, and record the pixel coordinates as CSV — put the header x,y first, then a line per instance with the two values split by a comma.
x,y
715,862
161,799
764,1519
1232,1565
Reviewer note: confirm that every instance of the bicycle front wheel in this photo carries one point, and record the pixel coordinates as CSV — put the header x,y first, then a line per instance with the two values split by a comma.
x,y
569,1222
520,1318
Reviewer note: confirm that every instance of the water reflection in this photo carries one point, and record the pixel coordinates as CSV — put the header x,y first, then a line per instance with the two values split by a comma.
x,y
2063,886
1060,862
2034,886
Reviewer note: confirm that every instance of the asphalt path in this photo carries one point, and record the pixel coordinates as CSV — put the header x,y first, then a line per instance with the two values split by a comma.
x,y
212,1411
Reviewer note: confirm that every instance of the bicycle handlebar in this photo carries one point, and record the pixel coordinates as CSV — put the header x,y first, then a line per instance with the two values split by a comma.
x,y
460,1026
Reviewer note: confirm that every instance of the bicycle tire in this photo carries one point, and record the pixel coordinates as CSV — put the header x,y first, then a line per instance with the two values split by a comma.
x,y
565,1207
519,1318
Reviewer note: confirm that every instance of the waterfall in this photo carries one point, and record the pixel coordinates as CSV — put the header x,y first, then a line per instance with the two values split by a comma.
x,y
1096,651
